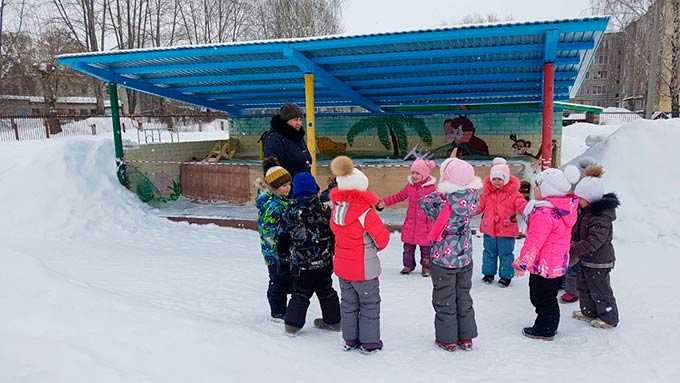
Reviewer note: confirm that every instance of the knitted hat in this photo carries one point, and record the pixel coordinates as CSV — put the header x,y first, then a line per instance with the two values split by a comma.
x,y
347,176
289,112
553,183
423,167
591,187
276,177
500,169
304,185
457,174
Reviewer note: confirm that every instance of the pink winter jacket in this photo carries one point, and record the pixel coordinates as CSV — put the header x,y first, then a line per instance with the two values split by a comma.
x,y
416,225
548,238
499,207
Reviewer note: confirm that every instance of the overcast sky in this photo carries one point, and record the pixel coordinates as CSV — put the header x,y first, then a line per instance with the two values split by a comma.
x,y
371,16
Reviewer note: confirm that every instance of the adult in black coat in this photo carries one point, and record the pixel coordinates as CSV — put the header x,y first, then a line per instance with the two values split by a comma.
x,y
286,140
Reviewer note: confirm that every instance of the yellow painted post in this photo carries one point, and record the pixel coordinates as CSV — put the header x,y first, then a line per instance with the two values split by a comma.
x,y
311,127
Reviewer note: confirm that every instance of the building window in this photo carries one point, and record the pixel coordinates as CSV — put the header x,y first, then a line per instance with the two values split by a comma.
x,y
84,112
587,75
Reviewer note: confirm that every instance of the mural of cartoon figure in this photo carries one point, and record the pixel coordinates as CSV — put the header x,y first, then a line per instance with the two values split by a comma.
x,y
460,132
520,147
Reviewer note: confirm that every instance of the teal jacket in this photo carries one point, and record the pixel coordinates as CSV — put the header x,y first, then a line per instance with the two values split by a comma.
x,y
270,208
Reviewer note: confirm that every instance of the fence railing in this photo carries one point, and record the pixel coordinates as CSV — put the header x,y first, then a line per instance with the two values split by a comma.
x,y
143,129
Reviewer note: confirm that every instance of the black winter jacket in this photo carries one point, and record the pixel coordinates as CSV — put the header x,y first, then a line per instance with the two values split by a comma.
x,y
288,145
304,232
591,236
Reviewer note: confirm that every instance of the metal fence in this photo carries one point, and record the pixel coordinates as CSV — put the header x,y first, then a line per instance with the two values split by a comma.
x,y
143,129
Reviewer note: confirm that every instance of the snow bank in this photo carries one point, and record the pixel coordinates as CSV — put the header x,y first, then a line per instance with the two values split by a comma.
x,y
641,164
576,137
95,288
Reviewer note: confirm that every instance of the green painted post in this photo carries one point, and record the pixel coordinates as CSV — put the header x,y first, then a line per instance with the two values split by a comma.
x,y
115,119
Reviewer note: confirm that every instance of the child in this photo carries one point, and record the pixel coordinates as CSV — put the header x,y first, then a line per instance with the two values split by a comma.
x,y
456,198
305,234
499,204
271,202
591,244
546,248
416,225
359,235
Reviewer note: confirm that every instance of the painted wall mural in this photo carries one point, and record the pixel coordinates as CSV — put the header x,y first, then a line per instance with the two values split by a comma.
x,y
391,132
477,135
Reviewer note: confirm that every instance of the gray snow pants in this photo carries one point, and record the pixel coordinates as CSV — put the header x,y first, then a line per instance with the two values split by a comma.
x,y
596,296
454,317
360,312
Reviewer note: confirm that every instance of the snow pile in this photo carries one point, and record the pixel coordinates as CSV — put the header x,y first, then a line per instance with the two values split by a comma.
x,y
576,137
95,288
641,165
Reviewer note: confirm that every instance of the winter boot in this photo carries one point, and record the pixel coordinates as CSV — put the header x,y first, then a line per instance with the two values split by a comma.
x,y
425,272
278,318
292,330
446,346
599,323
465,344
504,282
487,279
371,348
579,315
529,332
319,323
568,298
351,345
406,270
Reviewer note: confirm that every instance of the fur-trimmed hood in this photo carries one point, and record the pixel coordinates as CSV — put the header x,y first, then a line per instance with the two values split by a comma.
x,y
286,130
448,187
606,206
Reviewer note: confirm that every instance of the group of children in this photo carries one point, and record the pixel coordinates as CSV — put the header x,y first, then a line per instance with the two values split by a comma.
x,y
304,242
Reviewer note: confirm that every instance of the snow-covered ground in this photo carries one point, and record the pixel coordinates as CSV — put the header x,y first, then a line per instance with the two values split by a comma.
x,y
152,132
95,287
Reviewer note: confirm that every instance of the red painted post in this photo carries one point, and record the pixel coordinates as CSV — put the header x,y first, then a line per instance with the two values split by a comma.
x,y
548,95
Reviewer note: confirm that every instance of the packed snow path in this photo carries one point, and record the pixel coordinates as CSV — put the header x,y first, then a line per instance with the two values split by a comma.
x,y
96,288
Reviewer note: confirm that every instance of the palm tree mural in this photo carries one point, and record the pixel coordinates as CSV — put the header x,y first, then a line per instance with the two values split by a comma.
x,y
391,131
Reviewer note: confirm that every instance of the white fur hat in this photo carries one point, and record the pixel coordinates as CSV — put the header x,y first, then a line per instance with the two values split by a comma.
x,y
553,183
347,176
500,169
591,187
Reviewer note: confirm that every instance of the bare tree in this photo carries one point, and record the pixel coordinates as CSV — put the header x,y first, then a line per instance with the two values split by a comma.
x,y
295,18
86,22
651,31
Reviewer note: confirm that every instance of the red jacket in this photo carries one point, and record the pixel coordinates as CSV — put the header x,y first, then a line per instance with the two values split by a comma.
x,y
499,207
359,235
416,225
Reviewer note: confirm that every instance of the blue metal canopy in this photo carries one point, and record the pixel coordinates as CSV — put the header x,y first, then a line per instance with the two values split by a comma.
x,y
464,65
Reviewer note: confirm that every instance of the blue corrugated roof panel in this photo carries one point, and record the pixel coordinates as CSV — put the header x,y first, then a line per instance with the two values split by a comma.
x,y
490,63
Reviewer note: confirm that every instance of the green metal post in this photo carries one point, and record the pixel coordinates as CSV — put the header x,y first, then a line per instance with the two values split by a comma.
x,y
115,119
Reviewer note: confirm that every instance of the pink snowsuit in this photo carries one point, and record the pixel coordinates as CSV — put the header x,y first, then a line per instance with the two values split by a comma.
x,y
416,225
548,238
